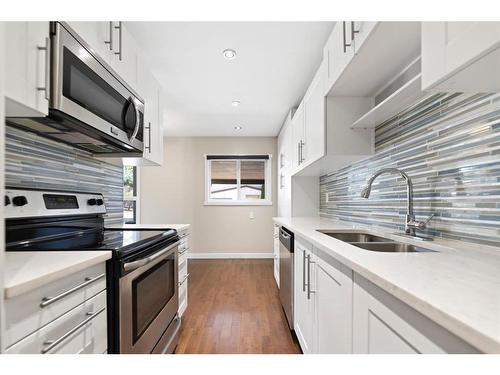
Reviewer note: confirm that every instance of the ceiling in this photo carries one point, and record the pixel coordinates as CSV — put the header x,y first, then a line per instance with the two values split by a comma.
x,y
275,62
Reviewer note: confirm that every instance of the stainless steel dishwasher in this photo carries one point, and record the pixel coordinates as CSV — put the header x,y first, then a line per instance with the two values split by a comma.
x,y
286,273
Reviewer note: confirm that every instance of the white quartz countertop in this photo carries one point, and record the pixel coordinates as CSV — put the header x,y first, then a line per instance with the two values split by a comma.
x,y
27,270
177,227
458,286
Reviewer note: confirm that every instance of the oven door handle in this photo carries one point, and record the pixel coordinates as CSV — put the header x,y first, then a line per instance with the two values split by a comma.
x,y
130,266
137,120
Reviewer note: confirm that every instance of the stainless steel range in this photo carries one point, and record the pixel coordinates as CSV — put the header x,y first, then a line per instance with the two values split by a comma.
x,y
142,276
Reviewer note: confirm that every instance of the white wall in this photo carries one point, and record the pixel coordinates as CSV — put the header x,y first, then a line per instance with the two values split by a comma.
x,y
174,193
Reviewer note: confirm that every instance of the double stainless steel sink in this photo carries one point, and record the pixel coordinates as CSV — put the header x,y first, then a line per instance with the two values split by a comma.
x,y
372,242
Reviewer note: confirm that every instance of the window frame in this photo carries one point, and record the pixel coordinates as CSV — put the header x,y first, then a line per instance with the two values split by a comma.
x,y
239,202
135,197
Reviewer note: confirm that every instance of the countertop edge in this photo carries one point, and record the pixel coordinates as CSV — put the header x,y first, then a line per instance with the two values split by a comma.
x,y
19,289
456,326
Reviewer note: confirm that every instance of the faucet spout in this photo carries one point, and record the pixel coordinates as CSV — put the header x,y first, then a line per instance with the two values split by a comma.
x,y
410,217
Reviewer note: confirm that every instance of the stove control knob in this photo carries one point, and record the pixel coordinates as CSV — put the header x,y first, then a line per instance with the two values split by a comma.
x,y
100,202
7,200
20,200
91,202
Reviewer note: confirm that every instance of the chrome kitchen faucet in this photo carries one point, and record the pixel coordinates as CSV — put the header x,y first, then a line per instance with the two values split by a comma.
x,y
410,223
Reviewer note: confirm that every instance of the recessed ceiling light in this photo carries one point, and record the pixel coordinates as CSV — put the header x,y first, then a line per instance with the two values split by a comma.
x,y
229,54
235,103
237,127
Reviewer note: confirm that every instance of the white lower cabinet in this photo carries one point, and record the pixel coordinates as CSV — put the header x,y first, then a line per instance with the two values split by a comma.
x,y
303,304
65,316
81,330
323,302
385,325
183,271
336,311
333,306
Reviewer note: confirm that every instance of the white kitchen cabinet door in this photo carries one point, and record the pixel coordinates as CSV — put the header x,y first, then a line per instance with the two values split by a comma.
x,y
360,30
333,306
27,78
461,56
124,60
304,301
285,160
382,324
314,146
338,52
298,136
98,35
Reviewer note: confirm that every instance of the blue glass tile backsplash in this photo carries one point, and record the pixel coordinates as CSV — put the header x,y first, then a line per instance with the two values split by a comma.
x,y
449,144
32,161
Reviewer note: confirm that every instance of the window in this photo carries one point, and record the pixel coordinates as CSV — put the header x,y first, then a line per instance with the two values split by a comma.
x,y
238,180
129,194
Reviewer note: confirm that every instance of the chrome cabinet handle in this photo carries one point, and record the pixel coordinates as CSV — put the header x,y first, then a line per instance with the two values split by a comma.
x,y
46,301
185,249
184,280
302,158
353,31
309,291
51,344
119,28
303,270
282,185
298,152
149,137
110,41
142,262
344,38
46,88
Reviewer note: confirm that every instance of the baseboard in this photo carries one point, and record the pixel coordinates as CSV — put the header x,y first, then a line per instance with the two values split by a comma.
x,y
230,255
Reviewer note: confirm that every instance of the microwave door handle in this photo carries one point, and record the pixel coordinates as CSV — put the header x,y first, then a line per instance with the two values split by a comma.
x,y
137,120
130,266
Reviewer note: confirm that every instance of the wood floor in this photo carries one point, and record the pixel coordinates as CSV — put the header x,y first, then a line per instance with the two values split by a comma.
x,y
234,307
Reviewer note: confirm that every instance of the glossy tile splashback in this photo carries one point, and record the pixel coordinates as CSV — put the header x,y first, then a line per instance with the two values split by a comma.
x,y
32,161
449,144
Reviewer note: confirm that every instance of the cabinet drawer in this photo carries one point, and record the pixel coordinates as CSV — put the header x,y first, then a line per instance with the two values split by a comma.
x,y
31,311
81,330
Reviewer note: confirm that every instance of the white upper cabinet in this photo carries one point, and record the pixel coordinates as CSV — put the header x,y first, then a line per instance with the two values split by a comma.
x,y
284,169
314,118
338,52
360,30
461,56
98,35
27,64
124,59
149,89
114,44
355,50
298,136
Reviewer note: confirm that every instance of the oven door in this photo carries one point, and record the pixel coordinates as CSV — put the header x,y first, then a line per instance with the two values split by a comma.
x,y
148,300
84,87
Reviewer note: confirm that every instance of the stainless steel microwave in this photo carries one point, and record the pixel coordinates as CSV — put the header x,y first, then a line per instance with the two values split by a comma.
x,y
90,106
